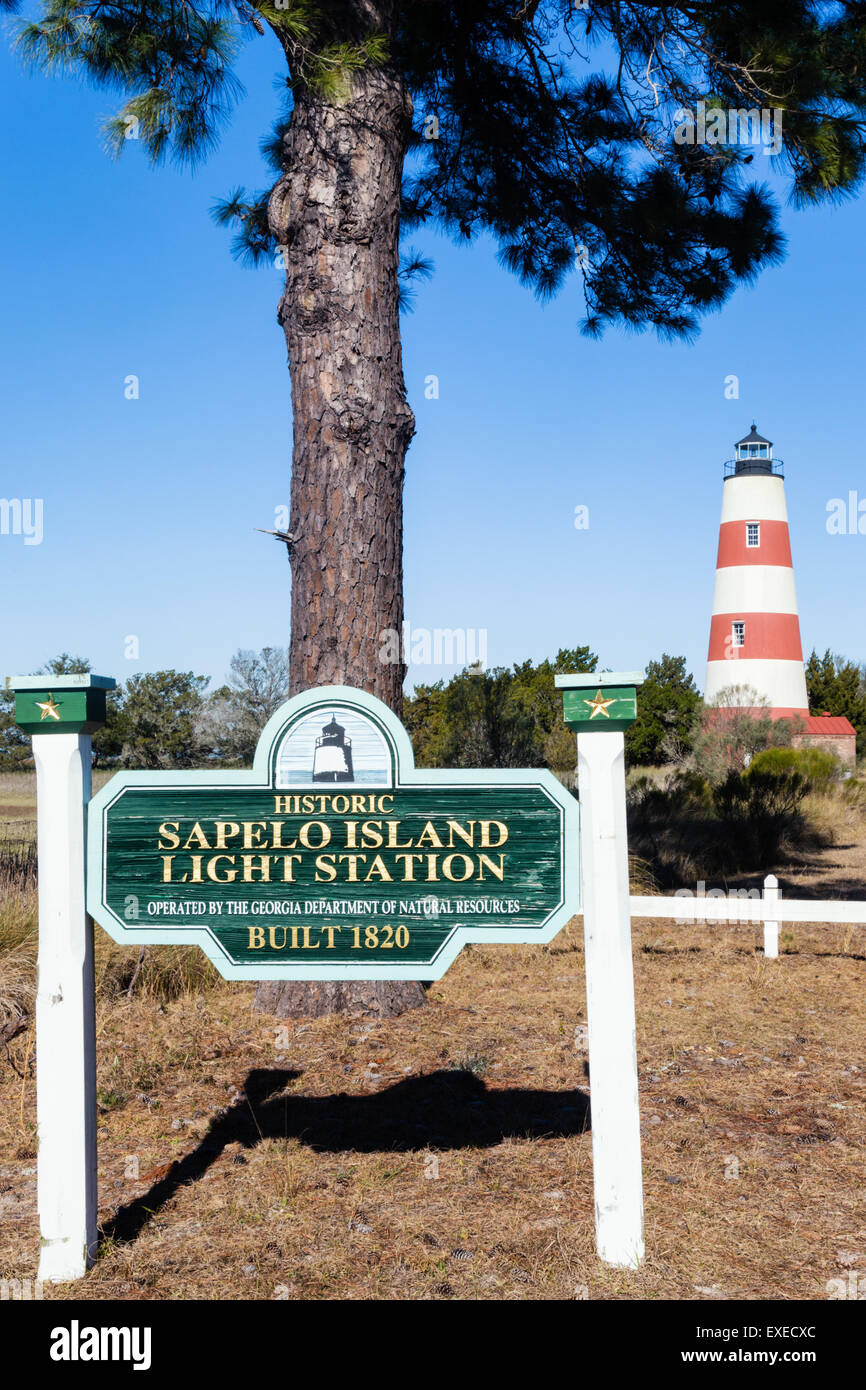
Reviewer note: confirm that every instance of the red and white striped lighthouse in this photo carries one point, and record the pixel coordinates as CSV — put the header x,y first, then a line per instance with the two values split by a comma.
x,y
755,631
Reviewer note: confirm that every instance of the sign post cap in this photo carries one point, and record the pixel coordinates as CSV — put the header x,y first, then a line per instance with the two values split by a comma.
x,y
582,680
599,701
82,681
72,704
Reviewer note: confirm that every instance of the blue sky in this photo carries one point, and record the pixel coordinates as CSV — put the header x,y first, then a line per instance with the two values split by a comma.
x,y
150,505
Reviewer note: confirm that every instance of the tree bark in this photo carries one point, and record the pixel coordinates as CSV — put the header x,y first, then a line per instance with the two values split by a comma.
x,y
336,213
359,998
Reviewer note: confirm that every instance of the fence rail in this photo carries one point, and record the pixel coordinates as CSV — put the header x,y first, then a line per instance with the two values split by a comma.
x,y
770,908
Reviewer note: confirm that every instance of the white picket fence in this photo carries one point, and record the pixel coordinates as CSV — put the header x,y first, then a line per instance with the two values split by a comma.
x,y
771,909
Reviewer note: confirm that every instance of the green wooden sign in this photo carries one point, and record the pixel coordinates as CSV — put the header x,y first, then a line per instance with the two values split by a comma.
x,y
334,857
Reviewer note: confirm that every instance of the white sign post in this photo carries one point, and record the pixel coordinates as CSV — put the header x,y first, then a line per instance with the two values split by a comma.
x,y
599,707
60,716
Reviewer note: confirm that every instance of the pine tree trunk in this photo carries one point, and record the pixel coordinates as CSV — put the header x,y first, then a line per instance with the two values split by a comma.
x,y
336,214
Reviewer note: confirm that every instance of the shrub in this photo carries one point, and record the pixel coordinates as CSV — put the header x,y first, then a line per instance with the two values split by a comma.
x,y
688,828
759,808
819,768
732,731
671,826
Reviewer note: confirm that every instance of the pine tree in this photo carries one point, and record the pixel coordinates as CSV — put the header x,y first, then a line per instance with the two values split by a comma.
x,y
835,686
667,705
550,124
497,718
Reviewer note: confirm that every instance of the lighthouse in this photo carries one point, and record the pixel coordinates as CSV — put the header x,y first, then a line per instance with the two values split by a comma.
x,y
332,758
755,629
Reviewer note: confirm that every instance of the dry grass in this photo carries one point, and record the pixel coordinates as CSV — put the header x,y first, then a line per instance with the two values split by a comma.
x,y
18,793
18,829
160,975
443,1154
17,863
18,945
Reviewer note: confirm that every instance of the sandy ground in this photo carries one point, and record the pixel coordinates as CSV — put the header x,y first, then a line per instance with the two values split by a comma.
x,y
444,1154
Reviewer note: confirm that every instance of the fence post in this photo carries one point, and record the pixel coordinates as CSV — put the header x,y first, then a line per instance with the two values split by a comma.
x,y
771,926
61,712
599,707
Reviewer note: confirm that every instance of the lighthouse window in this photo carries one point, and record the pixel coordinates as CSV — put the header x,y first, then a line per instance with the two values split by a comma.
x,y
738,634
753,533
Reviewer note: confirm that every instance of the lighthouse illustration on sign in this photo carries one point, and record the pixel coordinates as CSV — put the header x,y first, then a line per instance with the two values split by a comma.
x,y
351,747
332,759
755,629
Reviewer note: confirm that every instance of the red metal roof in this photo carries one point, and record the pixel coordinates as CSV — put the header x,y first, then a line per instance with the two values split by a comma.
x,y
829,724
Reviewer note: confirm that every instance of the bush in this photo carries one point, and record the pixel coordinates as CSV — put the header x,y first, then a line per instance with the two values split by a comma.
x,y
819,769
689,828
759,808
680,792
671,826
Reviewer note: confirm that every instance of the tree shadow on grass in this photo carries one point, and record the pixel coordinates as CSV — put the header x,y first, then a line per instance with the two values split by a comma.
x,y
443,1110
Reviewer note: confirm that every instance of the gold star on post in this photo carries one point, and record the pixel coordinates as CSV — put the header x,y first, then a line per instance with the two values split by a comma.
x,y
599,705
49,709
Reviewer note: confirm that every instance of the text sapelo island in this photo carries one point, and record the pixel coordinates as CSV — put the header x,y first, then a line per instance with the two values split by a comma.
x,y
361,850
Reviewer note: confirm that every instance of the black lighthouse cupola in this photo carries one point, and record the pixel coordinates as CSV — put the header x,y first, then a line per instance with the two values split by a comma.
x,y
754,454
332,760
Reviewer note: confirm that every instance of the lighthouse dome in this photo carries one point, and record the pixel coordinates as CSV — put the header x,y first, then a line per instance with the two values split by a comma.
x,y
754,453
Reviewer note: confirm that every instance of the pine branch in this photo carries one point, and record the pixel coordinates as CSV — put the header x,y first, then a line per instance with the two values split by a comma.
x,y
253,243
569,162
414,266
